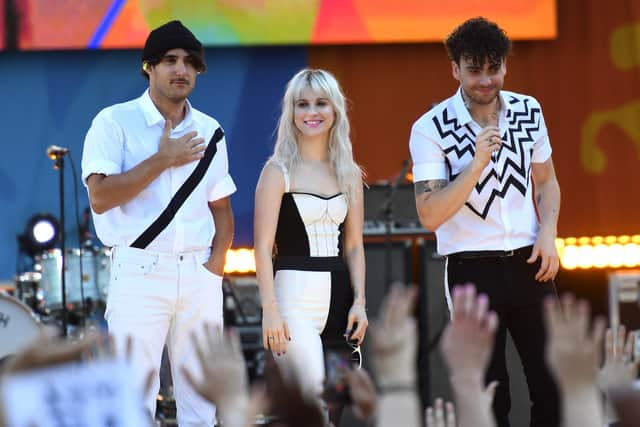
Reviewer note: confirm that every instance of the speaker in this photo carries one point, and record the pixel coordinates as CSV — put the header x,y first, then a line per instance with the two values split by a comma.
x,y
403,204
433,316
251,342
376,253
243,312
242,304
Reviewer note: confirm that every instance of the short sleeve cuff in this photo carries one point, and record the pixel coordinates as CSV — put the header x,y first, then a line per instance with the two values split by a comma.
x,y
224,188
428,171
99,167
542,153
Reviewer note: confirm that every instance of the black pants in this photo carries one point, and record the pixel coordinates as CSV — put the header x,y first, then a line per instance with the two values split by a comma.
x,y
517,298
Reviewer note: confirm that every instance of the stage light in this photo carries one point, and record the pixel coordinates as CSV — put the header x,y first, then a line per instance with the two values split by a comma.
x,y
599,252
41,233
240,261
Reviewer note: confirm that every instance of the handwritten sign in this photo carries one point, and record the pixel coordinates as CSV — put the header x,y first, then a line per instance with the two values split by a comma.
x,y
99,394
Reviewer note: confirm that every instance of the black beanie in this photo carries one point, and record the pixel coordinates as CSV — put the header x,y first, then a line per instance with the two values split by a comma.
x,y
172,35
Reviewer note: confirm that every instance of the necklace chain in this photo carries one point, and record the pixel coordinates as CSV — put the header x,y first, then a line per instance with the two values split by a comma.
x,y
494,114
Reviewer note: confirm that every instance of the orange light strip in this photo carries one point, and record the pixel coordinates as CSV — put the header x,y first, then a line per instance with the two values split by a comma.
x,y
575,253
599,252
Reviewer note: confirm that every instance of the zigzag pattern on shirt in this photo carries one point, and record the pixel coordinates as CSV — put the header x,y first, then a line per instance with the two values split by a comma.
x,y
520,121
514,172
511,182
493,174
515,126
450,127
521,127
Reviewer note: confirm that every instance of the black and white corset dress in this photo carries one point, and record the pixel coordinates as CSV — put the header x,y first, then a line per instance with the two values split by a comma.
x,y
312,283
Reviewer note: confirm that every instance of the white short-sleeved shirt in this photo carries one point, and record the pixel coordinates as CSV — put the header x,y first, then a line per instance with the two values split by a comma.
x,y
121,137
499,213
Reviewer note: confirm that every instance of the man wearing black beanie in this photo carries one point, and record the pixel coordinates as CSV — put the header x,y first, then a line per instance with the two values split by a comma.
x,y
157,174
169,36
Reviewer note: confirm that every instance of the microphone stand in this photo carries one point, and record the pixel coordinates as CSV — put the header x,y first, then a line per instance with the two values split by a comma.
x,y
59,166
387,211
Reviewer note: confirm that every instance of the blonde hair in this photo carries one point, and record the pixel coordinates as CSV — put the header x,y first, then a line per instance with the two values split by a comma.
x,y
286,152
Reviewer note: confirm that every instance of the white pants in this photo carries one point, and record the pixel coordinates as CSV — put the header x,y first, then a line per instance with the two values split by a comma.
x,y
161,298
303,298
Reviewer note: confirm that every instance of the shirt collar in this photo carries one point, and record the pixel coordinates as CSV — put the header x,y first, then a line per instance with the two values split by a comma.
x,y
153,117
464,116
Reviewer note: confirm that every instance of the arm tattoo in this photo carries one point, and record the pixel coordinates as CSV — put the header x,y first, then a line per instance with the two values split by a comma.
x,y
428,186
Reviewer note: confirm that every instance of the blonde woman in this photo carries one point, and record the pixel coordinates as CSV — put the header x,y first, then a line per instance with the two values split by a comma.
x,y
309,213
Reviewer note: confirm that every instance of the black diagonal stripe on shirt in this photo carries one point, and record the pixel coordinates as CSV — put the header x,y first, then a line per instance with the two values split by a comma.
x,y
181,195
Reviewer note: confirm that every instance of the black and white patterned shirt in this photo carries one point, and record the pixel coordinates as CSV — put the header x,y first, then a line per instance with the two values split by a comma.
x,y
499,213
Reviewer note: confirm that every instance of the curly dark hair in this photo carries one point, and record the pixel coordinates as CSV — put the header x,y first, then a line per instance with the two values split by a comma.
x,y
479,40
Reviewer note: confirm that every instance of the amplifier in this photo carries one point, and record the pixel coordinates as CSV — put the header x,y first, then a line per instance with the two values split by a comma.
x,y
250,336
251,342
403,204
243,312
242,304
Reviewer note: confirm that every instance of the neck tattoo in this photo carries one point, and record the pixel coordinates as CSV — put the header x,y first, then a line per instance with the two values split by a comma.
x,y
493,117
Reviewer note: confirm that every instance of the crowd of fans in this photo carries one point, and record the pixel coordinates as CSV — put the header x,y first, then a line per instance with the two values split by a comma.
x,y
595,369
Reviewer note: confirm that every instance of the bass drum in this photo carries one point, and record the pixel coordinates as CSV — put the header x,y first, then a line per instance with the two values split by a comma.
x,y
18,325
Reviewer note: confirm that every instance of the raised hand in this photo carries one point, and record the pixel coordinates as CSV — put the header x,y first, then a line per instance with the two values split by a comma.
x,y
224,374
363,393
48,350
467,341
443,415
573,354
180,151
573,351
619,369
394,338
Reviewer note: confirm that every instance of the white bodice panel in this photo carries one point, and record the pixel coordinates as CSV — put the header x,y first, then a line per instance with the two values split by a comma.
x,y
322,218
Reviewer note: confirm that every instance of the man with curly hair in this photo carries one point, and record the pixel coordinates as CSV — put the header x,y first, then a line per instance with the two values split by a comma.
x,y
485,183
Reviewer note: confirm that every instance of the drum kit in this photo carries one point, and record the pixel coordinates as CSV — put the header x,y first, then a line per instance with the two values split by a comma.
x,y
18,323
86,277
37,298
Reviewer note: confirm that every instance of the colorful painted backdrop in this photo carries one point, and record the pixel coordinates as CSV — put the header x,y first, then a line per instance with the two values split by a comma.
x,y
73,24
